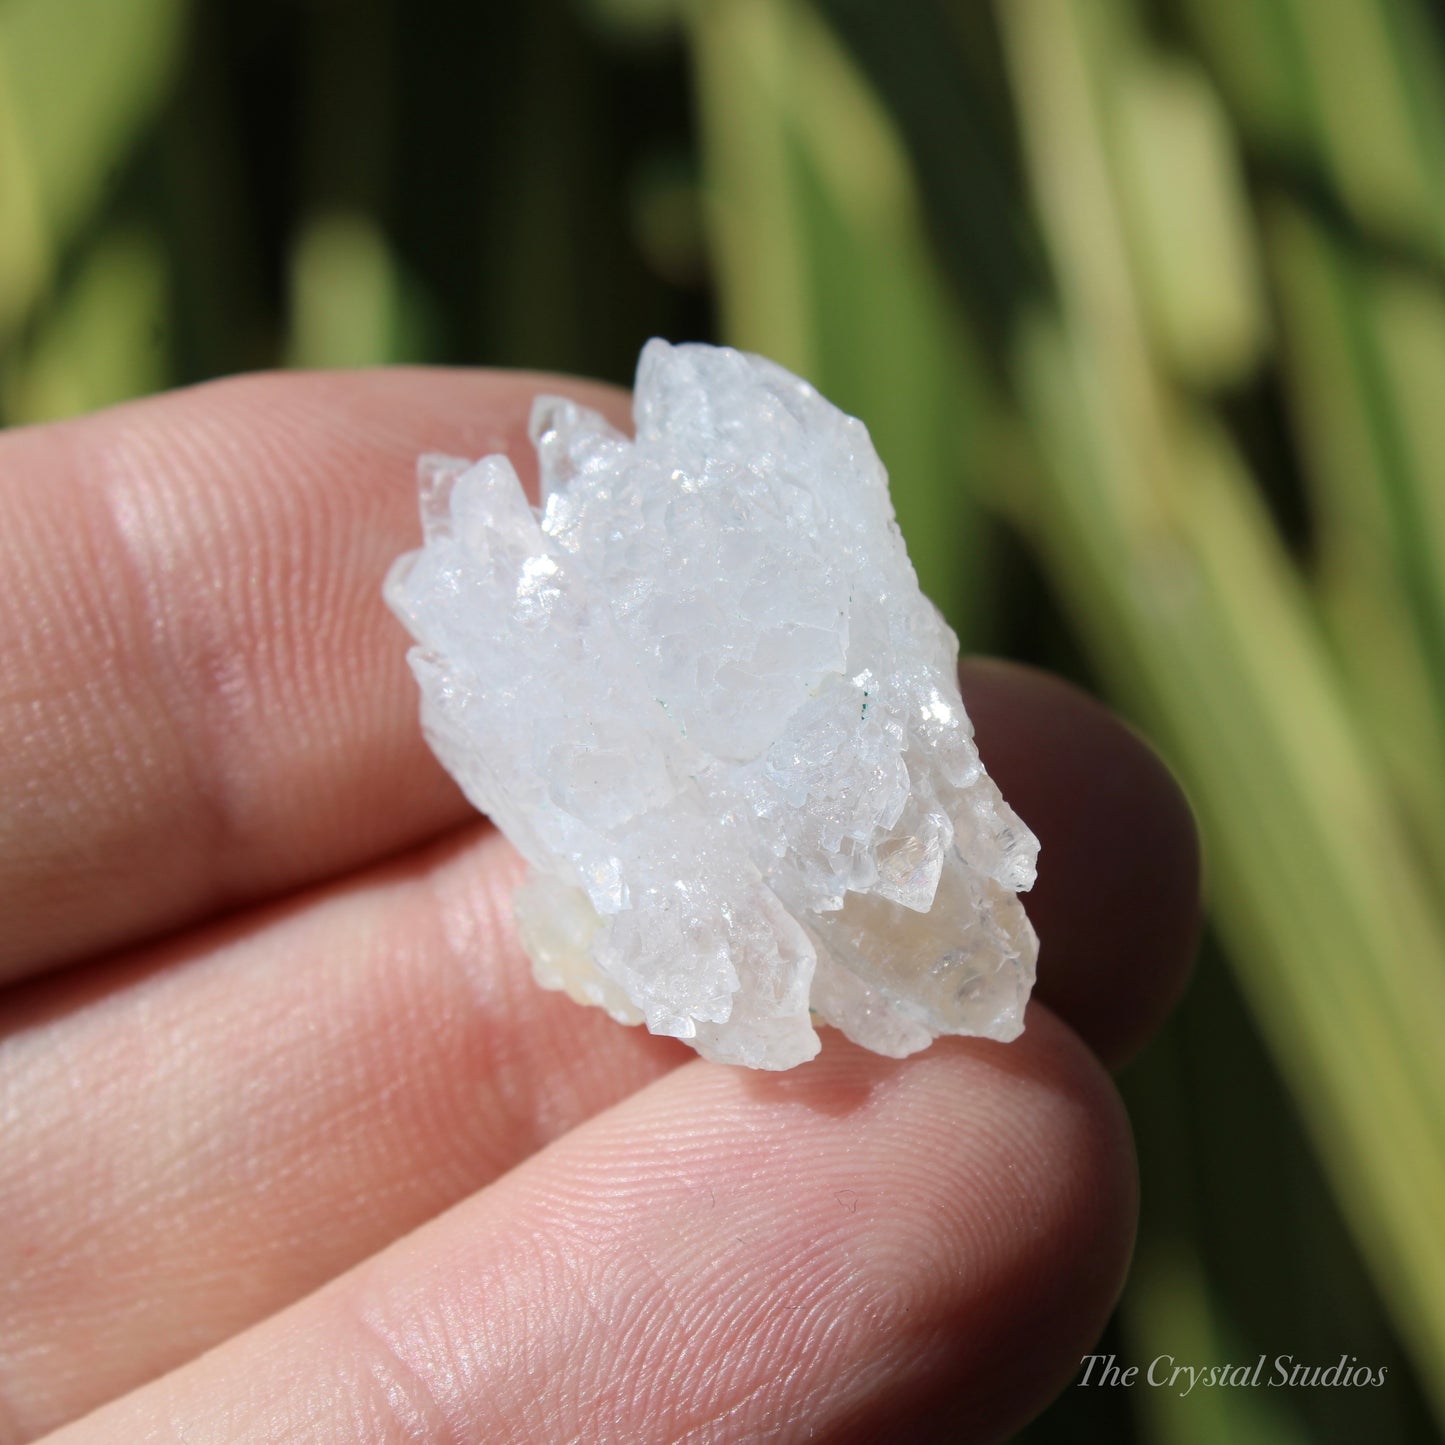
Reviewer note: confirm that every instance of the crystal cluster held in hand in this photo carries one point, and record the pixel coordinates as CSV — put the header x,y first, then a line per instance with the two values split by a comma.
x,y
701,692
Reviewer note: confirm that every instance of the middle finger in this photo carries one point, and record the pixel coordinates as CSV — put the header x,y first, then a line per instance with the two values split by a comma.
x,y
197,1134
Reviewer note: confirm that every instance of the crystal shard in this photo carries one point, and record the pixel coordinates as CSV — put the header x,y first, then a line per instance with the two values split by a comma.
x,y
699,689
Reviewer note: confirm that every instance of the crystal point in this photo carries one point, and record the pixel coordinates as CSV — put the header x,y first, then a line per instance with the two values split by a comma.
x,y
700,690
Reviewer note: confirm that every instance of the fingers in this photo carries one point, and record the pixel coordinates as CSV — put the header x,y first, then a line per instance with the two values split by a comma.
x,y
1116,905
197,1135
202,698
829,1254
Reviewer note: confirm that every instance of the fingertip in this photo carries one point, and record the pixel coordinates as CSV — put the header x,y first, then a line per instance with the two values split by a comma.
x,y
1056,1197
948,1232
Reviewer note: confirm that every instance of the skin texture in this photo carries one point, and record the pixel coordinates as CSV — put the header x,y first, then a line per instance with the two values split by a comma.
x,y
291,1146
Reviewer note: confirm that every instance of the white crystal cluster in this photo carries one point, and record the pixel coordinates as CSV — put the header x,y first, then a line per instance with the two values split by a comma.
x,y
701,692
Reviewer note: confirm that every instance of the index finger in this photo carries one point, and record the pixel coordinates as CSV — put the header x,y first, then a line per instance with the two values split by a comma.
x,y
203,700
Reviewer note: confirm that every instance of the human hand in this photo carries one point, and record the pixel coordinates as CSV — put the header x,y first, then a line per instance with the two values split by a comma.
x,y
291,1146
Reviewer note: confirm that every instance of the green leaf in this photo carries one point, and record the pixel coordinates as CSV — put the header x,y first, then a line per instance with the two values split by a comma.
x,y
106,339
1157,538
78,80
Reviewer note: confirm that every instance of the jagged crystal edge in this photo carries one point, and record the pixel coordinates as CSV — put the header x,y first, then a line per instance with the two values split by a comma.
x,y
700,690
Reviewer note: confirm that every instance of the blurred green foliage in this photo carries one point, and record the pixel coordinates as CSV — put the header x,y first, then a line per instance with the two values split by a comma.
x,y
1144,302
